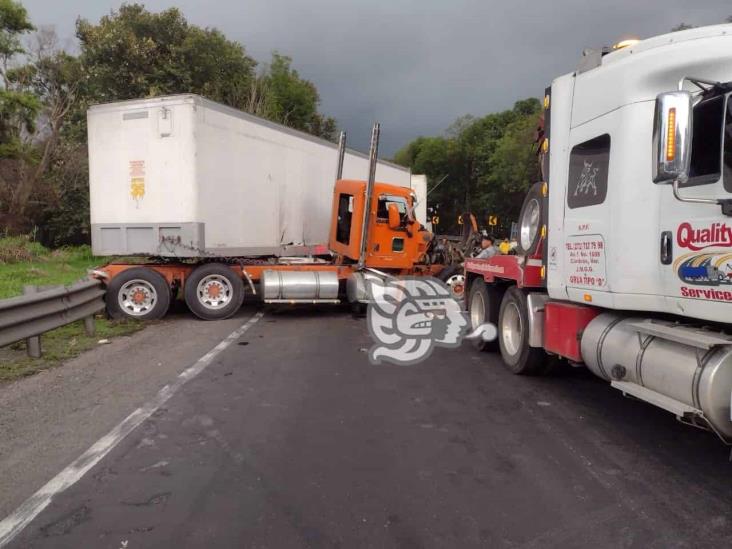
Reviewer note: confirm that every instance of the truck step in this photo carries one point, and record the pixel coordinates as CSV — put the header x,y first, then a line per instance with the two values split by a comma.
x,y
686,335
302,301
679,409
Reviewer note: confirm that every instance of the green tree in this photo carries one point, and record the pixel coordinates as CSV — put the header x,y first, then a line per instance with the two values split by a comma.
x,y
133,53
18,108
51,76
486,165
511,169
292,100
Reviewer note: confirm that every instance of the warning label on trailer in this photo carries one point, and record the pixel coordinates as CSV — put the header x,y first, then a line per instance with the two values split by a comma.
x,y
585,259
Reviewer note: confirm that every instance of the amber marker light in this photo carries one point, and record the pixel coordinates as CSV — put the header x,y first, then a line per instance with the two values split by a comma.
x,y
671,135
625,43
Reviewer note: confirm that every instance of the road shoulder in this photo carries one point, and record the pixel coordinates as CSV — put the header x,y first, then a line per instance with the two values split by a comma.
x,y
48,420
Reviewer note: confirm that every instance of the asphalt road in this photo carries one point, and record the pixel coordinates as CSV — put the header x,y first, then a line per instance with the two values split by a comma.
x,y
290,438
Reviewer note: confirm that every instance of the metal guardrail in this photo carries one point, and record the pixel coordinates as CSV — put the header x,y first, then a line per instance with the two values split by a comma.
x,y
41,310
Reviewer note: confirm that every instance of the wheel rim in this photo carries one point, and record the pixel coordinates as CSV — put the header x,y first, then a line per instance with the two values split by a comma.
x,y
456,283
477,310
511,329
530,224
137,297
214,292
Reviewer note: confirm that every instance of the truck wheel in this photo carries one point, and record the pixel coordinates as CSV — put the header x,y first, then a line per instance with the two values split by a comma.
x,y
214,292
454,277
531,219
358,309
483,303
140,293
513,336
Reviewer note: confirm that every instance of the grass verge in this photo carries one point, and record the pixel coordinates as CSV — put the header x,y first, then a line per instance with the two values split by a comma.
x,y
23,261
60,345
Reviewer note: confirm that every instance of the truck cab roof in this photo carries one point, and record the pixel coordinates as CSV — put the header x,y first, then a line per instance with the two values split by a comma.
x,y
640,72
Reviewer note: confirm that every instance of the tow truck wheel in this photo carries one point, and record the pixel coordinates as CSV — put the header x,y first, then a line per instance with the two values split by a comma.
x,y
530,219
358,309
513,336
483,303
140,293
454,277
214,292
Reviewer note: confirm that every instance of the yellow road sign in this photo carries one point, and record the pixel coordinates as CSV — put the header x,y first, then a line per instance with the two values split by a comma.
x,y
435,219
492,220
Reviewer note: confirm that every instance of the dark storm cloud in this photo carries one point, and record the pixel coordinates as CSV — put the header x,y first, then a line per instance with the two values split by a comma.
x,y
417,65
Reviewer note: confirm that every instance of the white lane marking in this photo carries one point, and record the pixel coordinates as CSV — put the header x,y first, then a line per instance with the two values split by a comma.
x,y
14,523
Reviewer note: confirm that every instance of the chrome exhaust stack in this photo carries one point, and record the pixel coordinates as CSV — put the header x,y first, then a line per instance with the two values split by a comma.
x,y
373,157
341,155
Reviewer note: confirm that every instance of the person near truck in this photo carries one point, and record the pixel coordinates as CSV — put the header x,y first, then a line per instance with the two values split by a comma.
x,y
488,250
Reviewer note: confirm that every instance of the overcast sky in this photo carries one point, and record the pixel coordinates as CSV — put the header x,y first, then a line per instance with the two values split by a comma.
x,y
416,65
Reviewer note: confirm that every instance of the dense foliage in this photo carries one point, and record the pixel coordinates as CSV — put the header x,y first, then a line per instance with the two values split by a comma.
x,y
130,53
482,165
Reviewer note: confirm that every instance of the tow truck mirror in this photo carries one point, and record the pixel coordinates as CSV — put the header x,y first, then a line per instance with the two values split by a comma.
x,y
395,220
672,137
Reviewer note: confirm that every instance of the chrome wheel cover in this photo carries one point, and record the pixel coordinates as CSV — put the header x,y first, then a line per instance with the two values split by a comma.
x,y
456,283
512,329
214,292
137,297
530,223
477,310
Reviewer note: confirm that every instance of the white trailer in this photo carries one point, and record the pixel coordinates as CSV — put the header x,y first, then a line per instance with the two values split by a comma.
x,y
419,187
182,176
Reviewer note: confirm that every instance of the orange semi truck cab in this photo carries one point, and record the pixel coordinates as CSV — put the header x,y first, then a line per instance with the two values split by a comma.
x,y
394,238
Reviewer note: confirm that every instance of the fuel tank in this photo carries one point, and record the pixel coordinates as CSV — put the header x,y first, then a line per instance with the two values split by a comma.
x,y
683,369
299,286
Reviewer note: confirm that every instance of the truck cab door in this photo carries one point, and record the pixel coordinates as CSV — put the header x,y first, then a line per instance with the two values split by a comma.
x,y
587,213
695,240
389,247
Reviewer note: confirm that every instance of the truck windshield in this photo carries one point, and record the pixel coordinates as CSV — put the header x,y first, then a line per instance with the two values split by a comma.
x,y
382,211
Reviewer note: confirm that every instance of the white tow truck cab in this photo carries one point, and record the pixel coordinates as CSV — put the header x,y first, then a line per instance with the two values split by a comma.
x,y
625,259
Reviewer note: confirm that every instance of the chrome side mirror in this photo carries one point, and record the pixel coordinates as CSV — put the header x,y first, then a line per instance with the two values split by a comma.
x,y
672,137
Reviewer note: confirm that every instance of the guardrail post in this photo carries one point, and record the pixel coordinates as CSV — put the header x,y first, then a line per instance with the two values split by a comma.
x,y
89,326
32,344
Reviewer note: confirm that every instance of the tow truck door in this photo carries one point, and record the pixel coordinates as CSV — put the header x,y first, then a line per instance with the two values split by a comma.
x,y
695,240
587,211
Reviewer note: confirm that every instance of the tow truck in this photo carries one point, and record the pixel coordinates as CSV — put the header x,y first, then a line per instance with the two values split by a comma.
x,y
624,245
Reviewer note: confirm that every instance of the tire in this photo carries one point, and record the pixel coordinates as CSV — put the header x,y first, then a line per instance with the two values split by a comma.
x,y
533,213
214,292
513,336
358,309
483,304
140,293
454,277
